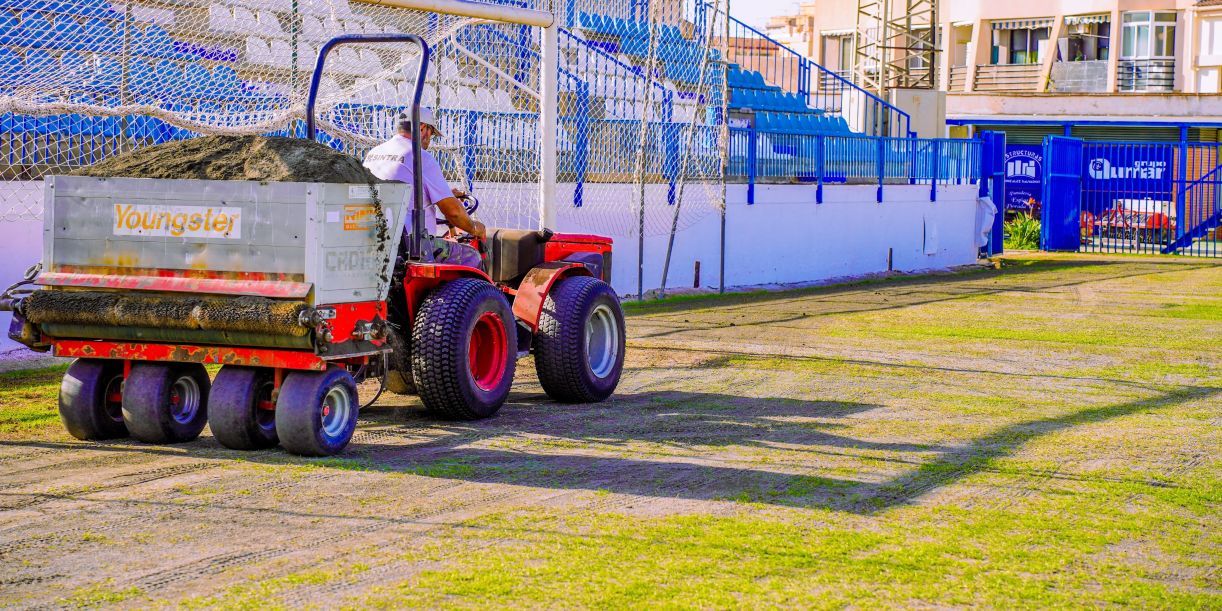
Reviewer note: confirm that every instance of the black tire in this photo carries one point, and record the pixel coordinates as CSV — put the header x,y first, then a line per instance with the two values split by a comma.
x,y
399,378
451,319
567,370
166,402
234,413
310,420
86,404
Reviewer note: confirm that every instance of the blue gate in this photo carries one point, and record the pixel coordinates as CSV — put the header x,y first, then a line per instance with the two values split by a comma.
x,y
1128,197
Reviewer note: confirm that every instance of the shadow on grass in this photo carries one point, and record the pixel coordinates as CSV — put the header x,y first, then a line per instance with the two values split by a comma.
x,y
638,445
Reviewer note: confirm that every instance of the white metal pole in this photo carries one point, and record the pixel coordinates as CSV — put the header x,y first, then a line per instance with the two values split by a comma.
x,y
548,108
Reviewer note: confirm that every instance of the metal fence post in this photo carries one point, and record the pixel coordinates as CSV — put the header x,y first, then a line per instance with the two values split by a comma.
x,y
819,168
751,156
1181,190
937,163
581,144
882,166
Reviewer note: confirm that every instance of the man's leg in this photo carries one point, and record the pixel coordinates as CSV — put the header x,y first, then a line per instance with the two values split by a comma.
x,y
453,253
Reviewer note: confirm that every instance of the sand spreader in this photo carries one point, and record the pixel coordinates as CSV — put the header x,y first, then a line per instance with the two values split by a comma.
x,y
298,290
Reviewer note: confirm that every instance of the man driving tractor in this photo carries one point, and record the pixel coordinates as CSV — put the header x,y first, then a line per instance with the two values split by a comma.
x,y
392,160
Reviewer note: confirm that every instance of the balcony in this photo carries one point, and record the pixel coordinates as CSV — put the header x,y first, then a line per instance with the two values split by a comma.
x,y
1008,77
958,78
1079,77
1156,75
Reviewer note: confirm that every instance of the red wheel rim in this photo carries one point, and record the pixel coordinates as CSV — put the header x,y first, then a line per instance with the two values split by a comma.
x,y
486,353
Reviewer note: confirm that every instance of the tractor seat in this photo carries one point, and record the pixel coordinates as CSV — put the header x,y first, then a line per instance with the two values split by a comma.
x,y
513,252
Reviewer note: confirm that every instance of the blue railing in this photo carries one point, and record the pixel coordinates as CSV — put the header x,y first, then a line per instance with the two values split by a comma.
x,y
758,156
822,89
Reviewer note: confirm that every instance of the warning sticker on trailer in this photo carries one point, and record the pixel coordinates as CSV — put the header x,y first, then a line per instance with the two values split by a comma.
x,y
178,221
362,217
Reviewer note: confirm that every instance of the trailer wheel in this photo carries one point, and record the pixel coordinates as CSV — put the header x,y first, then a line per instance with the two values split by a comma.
x,y
579,347
399,365
316,412
463,359
90,399
166,403
239,411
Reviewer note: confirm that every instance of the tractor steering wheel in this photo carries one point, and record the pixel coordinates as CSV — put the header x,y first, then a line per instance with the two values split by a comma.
x,y
469,203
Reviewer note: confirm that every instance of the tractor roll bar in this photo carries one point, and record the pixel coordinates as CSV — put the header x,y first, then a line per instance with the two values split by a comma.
x,y
416,247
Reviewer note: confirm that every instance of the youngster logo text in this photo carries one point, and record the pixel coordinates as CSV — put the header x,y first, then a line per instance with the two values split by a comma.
x,y
178,221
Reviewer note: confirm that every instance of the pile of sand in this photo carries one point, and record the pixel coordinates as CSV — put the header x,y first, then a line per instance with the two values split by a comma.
x,y
271,159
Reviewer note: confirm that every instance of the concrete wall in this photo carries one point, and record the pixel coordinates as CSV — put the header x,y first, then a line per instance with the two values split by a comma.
x,y
785,237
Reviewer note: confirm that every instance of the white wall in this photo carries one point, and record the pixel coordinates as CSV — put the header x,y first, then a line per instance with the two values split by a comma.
x,y
785,237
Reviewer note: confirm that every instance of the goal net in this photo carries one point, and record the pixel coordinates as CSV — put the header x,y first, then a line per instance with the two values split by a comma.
x,y
638,106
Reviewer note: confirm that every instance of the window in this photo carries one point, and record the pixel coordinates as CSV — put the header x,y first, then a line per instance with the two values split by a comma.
x,y
1028,46
1148,35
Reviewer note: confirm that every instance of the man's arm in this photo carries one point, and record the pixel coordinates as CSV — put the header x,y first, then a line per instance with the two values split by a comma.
x,y
457,217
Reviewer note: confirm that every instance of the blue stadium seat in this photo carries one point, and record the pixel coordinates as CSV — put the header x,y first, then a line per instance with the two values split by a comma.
x,y
141,78
67,34
195,81
155,42
8,27
168,75
74,67
38,63
100,37
107,76
11,66
34,31
224,83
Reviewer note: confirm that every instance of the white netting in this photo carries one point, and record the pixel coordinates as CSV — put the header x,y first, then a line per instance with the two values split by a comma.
x,y
81,80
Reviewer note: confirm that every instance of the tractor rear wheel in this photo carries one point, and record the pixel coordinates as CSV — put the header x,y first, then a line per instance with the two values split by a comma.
x,y
166,402
240,410
316,412
579,347
90,399
464,355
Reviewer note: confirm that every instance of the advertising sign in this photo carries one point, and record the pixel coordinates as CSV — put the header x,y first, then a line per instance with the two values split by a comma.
x,y
1131,172
1024,174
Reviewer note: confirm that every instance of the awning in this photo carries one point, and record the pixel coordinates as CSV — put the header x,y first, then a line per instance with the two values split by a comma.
x,y
1023,24
1087,19
838,32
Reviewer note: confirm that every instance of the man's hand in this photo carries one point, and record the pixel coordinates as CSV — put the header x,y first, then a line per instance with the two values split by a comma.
x,y
458,218
459,193
478,229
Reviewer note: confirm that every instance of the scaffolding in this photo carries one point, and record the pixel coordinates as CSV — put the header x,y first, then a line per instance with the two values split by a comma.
x,y
896,45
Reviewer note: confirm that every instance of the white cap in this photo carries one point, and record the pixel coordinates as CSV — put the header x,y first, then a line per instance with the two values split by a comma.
x,y
426,118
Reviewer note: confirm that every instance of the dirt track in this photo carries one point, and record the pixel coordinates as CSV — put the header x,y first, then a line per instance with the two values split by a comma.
x,y
900,410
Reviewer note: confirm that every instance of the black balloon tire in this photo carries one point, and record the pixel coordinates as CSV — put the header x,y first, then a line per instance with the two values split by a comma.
x,y
441,337
560,351
299,412
233,408
147,406
83,406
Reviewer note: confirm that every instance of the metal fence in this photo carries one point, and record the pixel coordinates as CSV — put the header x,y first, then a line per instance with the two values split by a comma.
x,y
771,156
1128,197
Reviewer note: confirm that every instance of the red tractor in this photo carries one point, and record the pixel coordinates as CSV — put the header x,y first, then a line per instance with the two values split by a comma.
x,y
298,299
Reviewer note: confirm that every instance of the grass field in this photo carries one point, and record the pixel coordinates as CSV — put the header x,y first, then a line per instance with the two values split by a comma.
x,y
1047,434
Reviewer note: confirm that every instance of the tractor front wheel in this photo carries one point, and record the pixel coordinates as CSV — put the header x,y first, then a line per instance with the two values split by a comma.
x,y
463,350
316,412
166,402
579,347
90,399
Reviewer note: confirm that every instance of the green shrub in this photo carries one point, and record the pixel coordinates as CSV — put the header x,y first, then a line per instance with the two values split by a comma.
x,y
1022,232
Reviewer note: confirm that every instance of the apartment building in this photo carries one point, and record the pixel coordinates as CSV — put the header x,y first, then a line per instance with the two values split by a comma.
x,y
1146,70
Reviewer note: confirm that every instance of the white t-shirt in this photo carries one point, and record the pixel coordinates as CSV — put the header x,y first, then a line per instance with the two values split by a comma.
x,y
392,160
